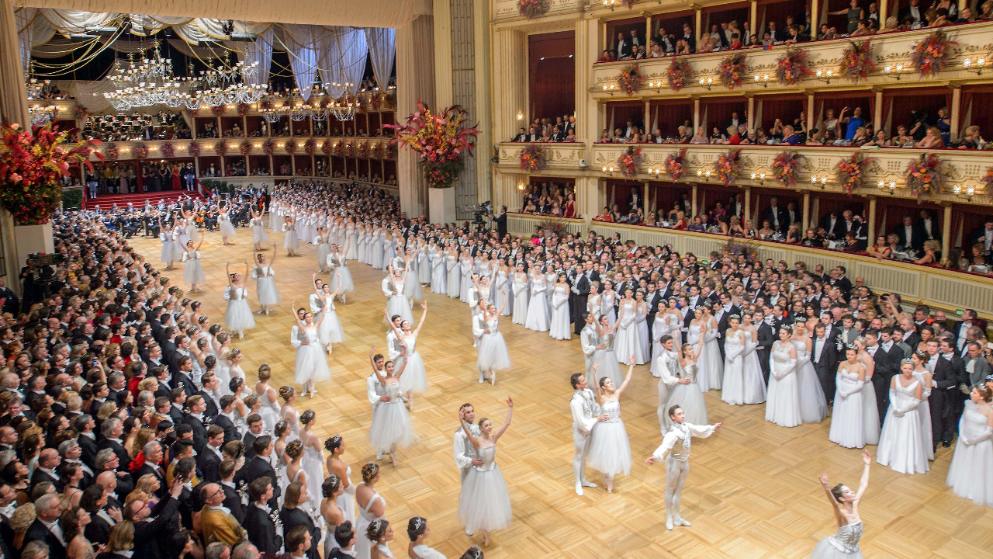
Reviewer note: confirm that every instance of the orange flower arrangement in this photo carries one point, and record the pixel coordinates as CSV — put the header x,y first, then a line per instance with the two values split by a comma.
x,y
932,53
850,172
245,148
732,70
793,67
727,165
857,61
629,79
441,140
630,161
674,164
785,167
678,73
533,158
532,8
924,176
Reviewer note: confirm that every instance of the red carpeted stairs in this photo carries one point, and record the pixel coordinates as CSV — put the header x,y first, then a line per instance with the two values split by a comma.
x,y
137,200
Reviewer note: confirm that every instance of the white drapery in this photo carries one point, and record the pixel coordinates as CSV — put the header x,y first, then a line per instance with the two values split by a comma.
x,y
343,60
259,52
382,52
301,42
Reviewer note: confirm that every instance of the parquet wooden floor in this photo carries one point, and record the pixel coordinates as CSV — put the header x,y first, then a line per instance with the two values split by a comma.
x,y
752,491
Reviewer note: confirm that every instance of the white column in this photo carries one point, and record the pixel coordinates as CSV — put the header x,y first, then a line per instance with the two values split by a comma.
x,y
415,76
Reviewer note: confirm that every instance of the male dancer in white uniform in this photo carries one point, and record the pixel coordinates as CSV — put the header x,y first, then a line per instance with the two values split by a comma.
x,y
585,415
675,449
375,391
588,340
670,374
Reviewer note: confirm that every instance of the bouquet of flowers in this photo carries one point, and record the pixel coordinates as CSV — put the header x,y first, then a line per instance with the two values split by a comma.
x,y
291,146
785,167
243,109
194,148
932,53
362,150
339,149
727,165
440,139
732,70
326,147
111,151
268,146
850,172
310,146
218,110
630,79
793,67
924,175
220,148
857,61
245,148
674,163
630,161
988,181
140,151
533,8
678,73
167,149
32,164
349,150
378,150
533,158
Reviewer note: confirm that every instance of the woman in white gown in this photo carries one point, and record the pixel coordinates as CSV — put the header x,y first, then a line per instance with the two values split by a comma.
x,y
351,240
259,235
484,503
660,328
922,374
537,318
492,352
695,336
380,534
605,358
224,223
418,533
391,428
560,327
626,344
783,404
520,292
265,282
396,303
754,381
870,413
844,544
311,362
813,404
371,506
502,289
594,302
641,326
970,474
329,330
436,257
170,244
453,272
192,269
610,451
733,391
341,277
683,390
900,445
322,243
238,316
290,241
847,422
335,446
414,378
609,300
313,458
267,395
331,512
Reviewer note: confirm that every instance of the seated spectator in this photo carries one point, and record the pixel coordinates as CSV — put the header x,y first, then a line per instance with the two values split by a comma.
x,y
791,136
931,250
655,50
902,139
683,47
966,16
872,16
605,215
985,11
880,140
793,234
812,239
766,232
891,24
971,139
931,140
606,56
864,28
879,248
816,137
699,136
717,137
604,137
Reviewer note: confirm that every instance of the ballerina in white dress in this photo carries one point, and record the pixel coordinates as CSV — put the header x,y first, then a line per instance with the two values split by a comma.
x,y
560,327
290,241
335,445
329,330
844,544
192,269
391,428
847,422
259,235
626,343
265,282
311,362
313,459
341,277
537,318
610,450
380,534
900,444
323,249
271,410
970,474
492,351
783,404
484,503
733,391
371,506
169,244
418,532
414,379
604,357
331,512
224,223
396,303
238,316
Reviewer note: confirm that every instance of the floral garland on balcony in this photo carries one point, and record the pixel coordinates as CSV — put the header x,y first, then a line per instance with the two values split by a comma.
x,y
924,175
194,148
732,70
857,61
678,73
167,149
245,148
32,165
630,161
378,150
243,109
326,147
932,53
140,151
987,181
533,158
675,163
268,146
221,148
533,8
349,150
785,167
111,152
338,149
629,79
310,146
850,172
793,66
362,150
441,140
727,166
291,146
218,110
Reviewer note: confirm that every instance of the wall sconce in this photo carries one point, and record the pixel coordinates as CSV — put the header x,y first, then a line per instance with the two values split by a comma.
x,y
520,186
967,192
609,88
609,4
520,116
608,169
762,79
887,186
704,173
655,172
707,82
976,65
893,71
825,75
760,177
655,84
819,180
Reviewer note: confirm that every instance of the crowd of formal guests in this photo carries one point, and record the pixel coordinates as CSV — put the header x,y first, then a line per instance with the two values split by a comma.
x,y
550,197
548,129
135,127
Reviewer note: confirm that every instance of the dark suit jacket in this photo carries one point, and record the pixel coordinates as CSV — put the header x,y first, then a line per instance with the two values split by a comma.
x,y
296,517
261,530
254,468
97,530
230,431
39,476
37,531
152,538
89,448
772,215
829,357
199,432
119,450
158,473
232,500
211,405
208,462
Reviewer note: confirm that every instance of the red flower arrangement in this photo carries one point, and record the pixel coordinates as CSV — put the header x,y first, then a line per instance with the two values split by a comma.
x,y
630,161
932,53
533,158
785,167
338,149
291,146
218,110
857,61
678,73
362,150
245,148
674,164
349,150
32,164
630,79
220,148
924,175
441,140
793,67
732,70
268,146
727,166
533,8
326,147
850,172
194,148
310,146
167,149
243,109
140,151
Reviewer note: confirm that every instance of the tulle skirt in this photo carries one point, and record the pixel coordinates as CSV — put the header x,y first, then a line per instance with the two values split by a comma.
x,y
847,422
391,426
969,472
813,405
266,290
311,365
414,378
330,332
341,281
322,256
411,288
397,305
690,398
783,405
259,235
710,367
227,230
537,318
900,445
826,550
290,240
238,316
168,253
560,327
484,503
492,353
610,450
605,361
193,271
423,271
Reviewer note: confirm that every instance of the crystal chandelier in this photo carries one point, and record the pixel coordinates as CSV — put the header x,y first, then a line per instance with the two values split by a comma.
x,y
344,109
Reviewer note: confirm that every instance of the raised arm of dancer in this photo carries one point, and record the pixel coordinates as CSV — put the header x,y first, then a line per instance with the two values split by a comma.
x,y
838,517
627,378
506,422
227,273
424,315
864,480
468,433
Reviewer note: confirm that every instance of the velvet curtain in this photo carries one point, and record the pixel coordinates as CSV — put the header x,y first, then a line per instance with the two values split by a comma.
x,y
977,108
668,117
382,53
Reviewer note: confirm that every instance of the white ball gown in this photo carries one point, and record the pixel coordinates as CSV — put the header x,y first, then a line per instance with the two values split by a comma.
x,y
322,252
414,378
492,351
813,404
733,391
753,379
711,366
689,397
265,285
924,414
520,287
484,503
843,544
313,464
341,277
605,360
329,331
537,318
783,405
626,343
397,304
224,221
289,237
259,236
970,474
560,328
238,316
610,450
363,547
846,419
391,422
192,270
311,362
438,284
169,247
900,445
870,413
453,276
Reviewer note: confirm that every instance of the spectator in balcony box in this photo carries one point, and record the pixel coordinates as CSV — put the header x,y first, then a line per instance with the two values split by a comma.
x,y
666,40
985,11
699,136
707,44
864,28
774,32
913,15
861,137
849,124
879,140
791,136
825,33
971,139
606,56
931,256
966,16
639,52
952,8
689,37
872,15
944,125
854,14
655,50
761,138
940,18
735,41
767,41
622,49
931,140
734,136
635,39
902,138
811,239
604,137
792,35
717,137
683,47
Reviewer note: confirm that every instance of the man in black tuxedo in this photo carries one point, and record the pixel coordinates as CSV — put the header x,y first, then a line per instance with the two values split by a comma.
x,y
293,516
775,215
945,398
209,461
984,237
768,332
112,429
344,539
194,417
910,236
652,298
581,285
224,419
259,466
824,356
501,222
210,385
232,499
153,458
726,310
48,461
258,522
255,427
154,526
46,528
